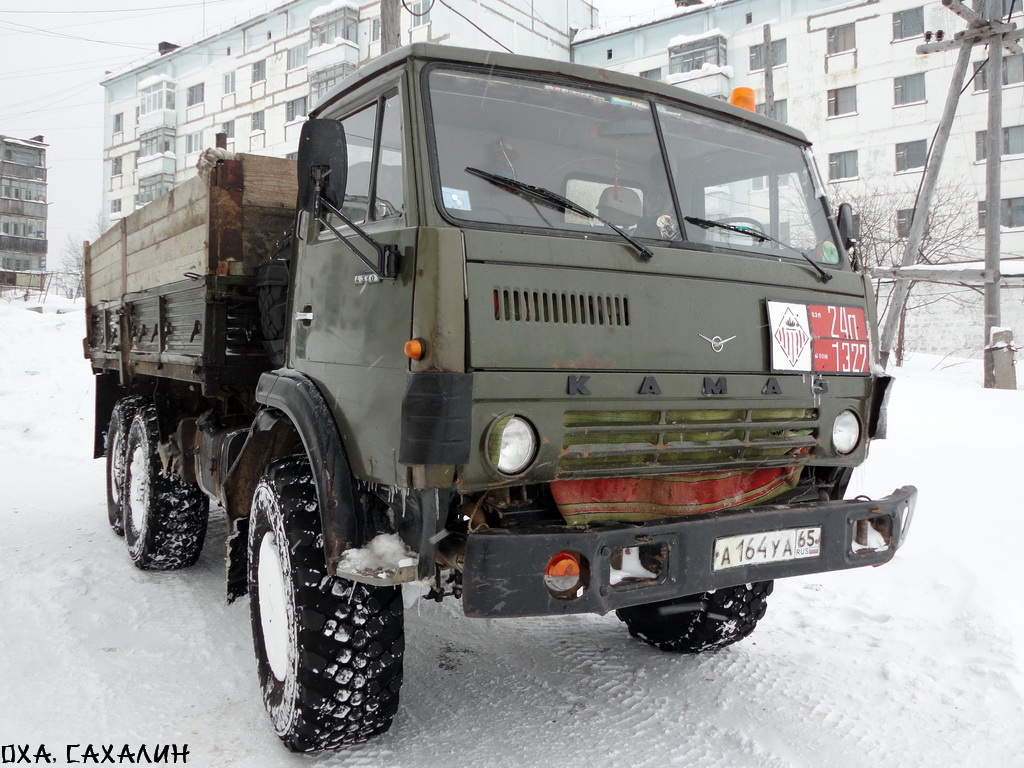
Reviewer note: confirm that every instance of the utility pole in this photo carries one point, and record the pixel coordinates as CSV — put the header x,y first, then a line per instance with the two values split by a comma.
x,y
390,25
981,30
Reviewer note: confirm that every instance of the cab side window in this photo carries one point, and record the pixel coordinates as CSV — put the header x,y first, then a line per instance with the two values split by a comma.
x,y
359,131
390,189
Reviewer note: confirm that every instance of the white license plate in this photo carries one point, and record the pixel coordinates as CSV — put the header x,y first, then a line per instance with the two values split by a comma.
x,y
769,547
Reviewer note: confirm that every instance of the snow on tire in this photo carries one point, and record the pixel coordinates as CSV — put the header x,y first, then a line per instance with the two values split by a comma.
x,y
328,650
699,623
115,444
164,517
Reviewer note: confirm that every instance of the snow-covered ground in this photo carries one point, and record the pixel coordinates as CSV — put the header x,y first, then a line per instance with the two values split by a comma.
x,y
918,663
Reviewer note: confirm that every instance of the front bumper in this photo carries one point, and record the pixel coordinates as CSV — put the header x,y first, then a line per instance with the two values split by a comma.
x,y
504,570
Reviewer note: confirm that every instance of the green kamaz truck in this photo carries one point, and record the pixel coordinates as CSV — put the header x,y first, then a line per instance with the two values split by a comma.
x,y
544,338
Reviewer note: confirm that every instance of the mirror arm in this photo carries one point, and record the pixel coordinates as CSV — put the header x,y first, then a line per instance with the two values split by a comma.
x,y
386,267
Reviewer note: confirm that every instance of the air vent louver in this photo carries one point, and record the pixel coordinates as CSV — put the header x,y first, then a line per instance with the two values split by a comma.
x,y
519,305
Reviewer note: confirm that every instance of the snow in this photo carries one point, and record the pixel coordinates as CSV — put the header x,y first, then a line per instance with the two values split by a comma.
x,y
917,663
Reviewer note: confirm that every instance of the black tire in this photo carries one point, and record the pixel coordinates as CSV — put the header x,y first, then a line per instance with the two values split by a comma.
x,y
164,517
115,445
328,651
699,623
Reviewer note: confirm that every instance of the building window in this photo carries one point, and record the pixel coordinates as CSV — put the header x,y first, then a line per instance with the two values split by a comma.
x,y
842,165
115,206
841,39
1013,72
229,82
259,71
158,96
295,109
151,187
693,56
375,29
228,129
257,121
909,23
781,110
156,142
1011,7
1011,213
911,155
119,122
757,55
1013,142
116,166
908,89
196,94
904,218
297,56
842,101
651,74
194,142
322,81
421,12
340,24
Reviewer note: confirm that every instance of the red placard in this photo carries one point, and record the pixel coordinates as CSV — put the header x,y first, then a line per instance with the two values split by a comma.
x,y
840,339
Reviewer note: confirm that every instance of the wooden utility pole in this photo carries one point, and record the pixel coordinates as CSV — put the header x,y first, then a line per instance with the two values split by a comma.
x,y
987,30
390,25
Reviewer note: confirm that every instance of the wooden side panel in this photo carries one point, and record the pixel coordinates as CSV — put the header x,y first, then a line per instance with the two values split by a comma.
x,y
168,237
226,225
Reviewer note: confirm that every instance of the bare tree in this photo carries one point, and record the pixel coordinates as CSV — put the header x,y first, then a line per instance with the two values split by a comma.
x,y
70,278
951,235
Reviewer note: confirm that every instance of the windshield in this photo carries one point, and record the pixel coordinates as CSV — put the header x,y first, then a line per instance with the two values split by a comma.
x,y
601,150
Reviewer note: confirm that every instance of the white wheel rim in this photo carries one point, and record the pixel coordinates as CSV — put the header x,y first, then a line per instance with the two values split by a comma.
x,y
138,490
273,598
116,462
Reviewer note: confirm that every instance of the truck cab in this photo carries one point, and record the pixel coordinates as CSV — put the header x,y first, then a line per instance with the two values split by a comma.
x,y
550,339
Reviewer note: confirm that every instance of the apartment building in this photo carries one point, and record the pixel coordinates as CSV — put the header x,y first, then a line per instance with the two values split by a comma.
x,y
848,75
22,206
256,81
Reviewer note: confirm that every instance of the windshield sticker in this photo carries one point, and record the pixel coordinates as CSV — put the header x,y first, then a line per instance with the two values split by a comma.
x,y
456,199
819,338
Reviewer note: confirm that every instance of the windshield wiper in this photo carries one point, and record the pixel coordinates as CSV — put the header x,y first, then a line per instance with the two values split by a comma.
x,y
760,236
559,203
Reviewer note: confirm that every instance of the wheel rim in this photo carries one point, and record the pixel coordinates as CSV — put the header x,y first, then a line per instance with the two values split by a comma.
x,y
138,490
273,599
116,465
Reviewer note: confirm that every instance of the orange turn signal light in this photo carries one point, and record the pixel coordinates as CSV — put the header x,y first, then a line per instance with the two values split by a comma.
x,y
743,98
416,349
564,575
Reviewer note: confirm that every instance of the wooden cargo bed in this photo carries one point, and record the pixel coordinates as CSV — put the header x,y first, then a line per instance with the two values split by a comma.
x,y
171,288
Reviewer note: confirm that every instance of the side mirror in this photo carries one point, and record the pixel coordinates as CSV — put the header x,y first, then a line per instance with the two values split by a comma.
x,y
847,225
323,151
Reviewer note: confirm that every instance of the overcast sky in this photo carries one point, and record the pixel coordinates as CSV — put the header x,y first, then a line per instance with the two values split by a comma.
x,y
54,54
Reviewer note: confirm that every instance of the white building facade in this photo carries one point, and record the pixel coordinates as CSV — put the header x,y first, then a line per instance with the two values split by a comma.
x,y
256,81
848,75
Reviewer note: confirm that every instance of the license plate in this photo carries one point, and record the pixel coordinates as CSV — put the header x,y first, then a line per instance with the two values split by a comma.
x,y
768,547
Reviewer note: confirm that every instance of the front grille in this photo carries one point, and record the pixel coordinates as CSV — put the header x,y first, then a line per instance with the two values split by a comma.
x,y
611,440
520,305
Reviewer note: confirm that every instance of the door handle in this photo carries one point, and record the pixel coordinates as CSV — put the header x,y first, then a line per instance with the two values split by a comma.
x,y
305,316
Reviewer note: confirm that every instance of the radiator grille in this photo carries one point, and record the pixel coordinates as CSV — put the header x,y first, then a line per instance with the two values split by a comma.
x,y
609,440
520,305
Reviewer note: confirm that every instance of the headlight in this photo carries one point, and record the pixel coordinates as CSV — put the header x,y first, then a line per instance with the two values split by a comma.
x,y
511,444
845,432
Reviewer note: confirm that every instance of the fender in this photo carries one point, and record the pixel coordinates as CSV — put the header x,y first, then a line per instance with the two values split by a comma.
x,y
300,400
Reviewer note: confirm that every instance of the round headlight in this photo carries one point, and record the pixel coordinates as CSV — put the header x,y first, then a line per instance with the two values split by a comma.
x,y
845,432
511,445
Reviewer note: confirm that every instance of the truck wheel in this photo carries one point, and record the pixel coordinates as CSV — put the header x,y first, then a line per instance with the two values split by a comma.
x,y
699,623
328,650
115,443
164,517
